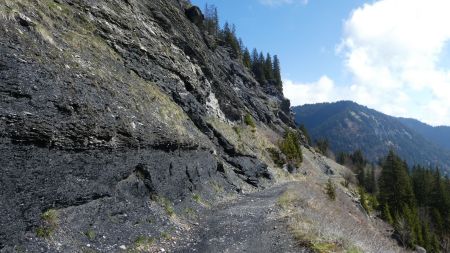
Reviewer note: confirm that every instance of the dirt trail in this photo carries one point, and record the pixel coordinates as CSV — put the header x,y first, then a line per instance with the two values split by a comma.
x,y
250,223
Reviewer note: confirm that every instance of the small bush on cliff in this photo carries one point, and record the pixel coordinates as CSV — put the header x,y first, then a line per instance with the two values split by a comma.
x,y
331,190
248,120
166,204
144,241
90,234
322,146
290,146
276,156
50,223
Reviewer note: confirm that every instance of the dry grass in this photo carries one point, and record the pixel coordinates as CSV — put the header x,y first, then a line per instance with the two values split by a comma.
x,y
248,139
331,226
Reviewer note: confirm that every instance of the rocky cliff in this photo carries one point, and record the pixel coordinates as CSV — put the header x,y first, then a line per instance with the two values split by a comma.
x,y
118,116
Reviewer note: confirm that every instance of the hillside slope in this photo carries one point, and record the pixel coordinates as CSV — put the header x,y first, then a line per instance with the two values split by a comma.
x,y
111,111
349,126
122,130
439,134
294,216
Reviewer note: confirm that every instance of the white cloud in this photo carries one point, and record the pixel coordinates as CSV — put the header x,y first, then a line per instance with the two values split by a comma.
x,y
324,90
392,50
282,2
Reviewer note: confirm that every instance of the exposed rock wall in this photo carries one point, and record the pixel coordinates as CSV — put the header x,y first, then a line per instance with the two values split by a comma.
x,y
104,105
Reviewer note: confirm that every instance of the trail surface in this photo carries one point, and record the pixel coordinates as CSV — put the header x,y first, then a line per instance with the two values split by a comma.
x,y
250,223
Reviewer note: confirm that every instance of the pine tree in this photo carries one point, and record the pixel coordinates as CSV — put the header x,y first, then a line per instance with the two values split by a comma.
x,y
268,68
363,200
216,22
229,37
211,22
261,61
322,145
254,57
331,190
343,159
358,159
257,66
386,214
426,235
290,146
395,185
277,73
246,60
302,128
371,184
435,245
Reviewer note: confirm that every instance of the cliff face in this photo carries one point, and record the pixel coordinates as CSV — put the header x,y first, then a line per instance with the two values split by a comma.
x,y
111,110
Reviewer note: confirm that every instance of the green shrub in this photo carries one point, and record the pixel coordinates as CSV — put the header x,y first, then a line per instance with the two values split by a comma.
x,y
354,250
364,201
197,198
324,247
90,234
276,157
331,190
386,214
290,147
144,241
166,204
50,217
44,232
166,236
322,146
50,223
248,120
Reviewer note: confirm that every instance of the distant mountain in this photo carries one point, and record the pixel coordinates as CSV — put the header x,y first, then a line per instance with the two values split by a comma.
x,y
439,135
349,126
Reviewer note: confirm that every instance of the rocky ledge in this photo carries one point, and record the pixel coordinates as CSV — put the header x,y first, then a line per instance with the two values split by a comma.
x,y
116,116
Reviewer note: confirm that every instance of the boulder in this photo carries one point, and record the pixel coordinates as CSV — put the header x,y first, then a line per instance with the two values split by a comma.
x,y
195,15
420,250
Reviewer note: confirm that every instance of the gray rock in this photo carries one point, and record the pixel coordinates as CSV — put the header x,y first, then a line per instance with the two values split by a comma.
x,y
420,250
115,95
195,15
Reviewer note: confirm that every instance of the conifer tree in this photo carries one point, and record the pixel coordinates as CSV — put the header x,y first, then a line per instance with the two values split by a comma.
x,y
395,186
363,199
246,60
322,146
229,37
371,184
302,128
386,214
290,146
268,68
211,22
331,190
258,66
277,73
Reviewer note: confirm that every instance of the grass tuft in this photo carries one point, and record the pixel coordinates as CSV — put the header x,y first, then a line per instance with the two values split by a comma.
x,y
166,204
248,120
50,220
90,234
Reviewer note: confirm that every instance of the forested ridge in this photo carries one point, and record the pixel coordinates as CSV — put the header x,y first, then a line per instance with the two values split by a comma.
x,y
414,200
265,68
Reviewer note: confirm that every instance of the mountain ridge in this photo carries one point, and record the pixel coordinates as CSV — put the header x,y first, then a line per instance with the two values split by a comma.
x,y
349,126
438,134
126,127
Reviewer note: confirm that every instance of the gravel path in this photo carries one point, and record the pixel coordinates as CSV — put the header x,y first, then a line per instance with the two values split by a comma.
x,y
250,223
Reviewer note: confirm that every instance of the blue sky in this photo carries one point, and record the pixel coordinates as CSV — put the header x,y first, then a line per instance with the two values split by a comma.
x,y
304,36
391,55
